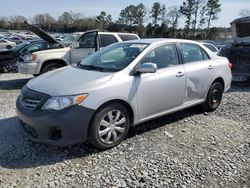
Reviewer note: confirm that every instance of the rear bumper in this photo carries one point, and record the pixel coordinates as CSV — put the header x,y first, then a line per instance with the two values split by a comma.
x,y
27,68
60,128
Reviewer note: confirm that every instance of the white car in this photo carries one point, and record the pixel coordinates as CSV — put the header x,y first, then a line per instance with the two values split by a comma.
x,y
5,44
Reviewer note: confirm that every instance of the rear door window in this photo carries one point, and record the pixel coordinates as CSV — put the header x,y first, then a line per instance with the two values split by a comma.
x,y
106,40
125,37
192,53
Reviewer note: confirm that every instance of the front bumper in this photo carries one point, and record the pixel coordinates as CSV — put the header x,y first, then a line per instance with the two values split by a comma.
x,y
27,68
60,128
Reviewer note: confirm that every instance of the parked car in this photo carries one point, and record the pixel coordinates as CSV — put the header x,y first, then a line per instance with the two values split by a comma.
x,y
238,53
84,45
122,85
9,58
211,47
5,44
16,39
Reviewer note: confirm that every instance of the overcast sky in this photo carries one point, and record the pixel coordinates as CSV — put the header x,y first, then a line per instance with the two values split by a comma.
x,y
27,8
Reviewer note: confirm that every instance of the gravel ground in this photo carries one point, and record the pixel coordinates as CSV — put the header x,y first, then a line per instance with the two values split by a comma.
x,y
186,149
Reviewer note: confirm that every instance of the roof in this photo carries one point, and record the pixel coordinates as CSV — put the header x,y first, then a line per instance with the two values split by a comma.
x,y
160,40
241,20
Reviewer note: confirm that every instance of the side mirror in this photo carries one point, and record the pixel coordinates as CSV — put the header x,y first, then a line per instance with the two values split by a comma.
x,y
75,45
147,68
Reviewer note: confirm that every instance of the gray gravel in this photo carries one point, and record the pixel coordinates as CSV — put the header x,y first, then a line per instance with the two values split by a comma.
x,y
186,149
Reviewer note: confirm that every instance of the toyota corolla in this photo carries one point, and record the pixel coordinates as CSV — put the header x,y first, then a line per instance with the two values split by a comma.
x,y
122,85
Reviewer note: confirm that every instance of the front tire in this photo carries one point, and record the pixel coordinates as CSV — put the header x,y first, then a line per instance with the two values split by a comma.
x,y
109,126
50,67
214,97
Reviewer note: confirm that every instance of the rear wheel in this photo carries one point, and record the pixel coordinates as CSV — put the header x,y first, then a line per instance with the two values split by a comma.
x,y
109,127
8,47
50,67
214,97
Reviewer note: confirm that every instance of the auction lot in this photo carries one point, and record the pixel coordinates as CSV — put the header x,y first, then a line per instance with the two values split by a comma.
x,y
190,148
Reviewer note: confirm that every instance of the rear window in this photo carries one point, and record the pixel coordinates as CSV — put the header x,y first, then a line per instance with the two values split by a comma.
x,y
210,47
125,37
106,40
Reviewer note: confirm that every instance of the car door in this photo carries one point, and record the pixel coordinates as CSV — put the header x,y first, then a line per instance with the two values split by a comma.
x,y
199,69
85,46
164,90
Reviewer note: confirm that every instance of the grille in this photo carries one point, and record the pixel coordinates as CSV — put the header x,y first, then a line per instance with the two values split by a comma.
x,y
30,102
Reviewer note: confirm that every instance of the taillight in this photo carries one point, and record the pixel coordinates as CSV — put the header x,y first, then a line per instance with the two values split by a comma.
x,y
230,65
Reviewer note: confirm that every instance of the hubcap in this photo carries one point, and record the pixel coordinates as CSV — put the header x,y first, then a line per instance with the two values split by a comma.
x,y
112,126
215,96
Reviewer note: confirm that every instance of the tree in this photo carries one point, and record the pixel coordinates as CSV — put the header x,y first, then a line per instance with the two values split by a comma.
x,y
244,12
173,16
213,9
128,15
104,19
17,22
141,13
197,6
45,21
187,9
156,13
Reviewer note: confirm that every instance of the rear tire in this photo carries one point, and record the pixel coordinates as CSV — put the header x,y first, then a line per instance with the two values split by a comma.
x,y
214,97
50,67
8,47
109,126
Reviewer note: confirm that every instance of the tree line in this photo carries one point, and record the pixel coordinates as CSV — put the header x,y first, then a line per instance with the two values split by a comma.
x,y
157,21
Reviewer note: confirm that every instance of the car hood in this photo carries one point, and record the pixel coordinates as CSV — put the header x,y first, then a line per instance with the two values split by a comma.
x,y
53,51
68,81
43,35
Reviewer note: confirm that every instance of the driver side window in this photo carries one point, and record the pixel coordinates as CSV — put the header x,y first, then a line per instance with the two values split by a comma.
x,y
88,40
163,56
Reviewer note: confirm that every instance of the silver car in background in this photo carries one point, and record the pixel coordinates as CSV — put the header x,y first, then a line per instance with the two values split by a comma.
x,y
120,86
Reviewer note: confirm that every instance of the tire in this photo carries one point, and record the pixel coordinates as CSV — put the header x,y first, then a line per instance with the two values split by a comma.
x,y
50,66
113,129
214,97
8,47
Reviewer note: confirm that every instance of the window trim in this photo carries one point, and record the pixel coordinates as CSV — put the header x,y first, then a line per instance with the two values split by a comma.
x,y
182,56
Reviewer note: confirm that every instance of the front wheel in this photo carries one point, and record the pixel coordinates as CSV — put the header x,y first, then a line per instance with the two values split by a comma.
x,y
50,67
214,97
109,126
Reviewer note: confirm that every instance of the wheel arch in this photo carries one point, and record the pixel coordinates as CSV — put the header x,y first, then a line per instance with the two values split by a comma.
x,y
59,61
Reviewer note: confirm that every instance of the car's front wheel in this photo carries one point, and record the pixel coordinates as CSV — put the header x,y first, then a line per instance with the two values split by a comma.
x,y
109,126
50,67
214,97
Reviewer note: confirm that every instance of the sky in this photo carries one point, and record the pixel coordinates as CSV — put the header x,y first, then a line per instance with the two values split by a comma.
x,y
29,8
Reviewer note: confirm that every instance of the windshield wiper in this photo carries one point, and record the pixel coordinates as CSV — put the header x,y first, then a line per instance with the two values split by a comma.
x,y
91,67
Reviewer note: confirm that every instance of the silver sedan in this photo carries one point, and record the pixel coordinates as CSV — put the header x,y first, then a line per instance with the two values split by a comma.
x,y
122,85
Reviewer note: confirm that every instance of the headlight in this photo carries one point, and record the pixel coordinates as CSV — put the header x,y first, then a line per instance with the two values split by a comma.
x,y
30,57
59,103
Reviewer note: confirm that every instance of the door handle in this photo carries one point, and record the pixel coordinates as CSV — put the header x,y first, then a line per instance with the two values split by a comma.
x,y
179,74
210,67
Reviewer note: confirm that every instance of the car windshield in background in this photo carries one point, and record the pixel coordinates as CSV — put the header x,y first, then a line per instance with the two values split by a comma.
x,y
67,41
113,58
21,46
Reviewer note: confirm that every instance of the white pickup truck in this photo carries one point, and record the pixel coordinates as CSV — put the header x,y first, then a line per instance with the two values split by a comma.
x,y
85,44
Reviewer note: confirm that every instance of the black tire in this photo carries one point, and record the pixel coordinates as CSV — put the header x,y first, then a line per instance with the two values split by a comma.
x,y
8,47
50,66
96,127
214,97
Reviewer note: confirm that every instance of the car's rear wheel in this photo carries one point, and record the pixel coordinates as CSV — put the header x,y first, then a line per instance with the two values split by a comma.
x,y
8,47
214,97
50,67
109,126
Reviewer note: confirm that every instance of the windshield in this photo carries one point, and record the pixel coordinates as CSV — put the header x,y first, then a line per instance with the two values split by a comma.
x,y
21,46
114,57
67,41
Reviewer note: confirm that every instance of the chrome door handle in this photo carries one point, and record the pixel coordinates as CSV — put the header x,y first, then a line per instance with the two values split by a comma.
x,y
179,74
210,67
